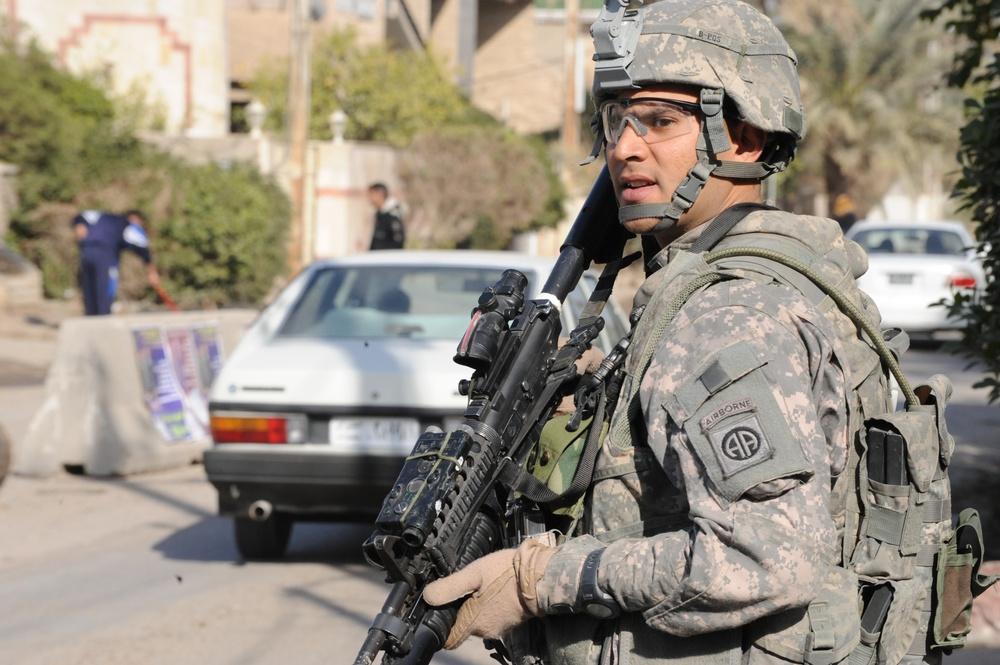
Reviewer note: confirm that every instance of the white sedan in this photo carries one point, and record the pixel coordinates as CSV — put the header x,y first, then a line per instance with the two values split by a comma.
x,y
914,265
317,407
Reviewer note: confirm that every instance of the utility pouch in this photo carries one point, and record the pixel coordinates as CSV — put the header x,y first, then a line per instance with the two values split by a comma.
x,y
555,460
958,581
901,460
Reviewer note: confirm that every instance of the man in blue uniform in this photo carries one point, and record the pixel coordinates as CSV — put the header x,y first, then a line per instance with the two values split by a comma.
x,y
101,237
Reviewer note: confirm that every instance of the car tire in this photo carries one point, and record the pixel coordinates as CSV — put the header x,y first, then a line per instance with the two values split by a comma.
x,y
263,539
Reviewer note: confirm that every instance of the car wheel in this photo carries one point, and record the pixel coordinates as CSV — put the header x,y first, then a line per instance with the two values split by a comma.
x,y
264,539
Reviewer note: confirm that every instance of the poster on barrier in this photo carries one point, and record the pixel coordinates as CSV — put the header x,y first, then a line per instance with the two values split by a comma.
x,y
183,359
208,351
177,366
160,385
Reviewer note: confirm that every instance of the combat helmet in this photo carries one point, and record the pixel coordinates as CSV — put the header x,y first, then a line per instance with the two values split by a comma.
x,y
724,47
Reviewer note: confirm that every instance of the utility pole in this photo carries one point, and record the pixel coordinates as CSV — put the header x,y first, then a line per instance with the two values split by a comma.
x,y
298,126
571,123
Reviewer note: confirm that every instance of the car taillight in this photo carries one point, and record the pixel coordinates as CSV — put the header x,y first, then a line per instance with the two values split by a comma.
x,y
228,429
961,280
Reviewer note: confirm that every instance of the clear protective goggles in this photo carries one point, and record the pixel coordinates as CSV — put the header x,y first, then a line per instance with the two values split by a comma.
x,y
651,118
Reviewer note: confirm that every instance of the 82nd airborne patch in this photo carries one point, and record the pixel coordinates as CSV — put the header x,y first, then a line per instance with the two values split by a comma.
x,y
740,443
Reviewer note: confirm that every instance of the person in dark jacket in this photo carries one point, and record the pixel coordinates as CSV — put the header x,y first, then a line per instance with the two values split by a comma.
x,y
101,237
388,232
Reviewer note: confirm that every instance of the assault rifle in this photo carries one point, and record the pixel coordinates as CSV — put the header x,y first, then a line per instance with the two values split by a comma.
x,y
447,507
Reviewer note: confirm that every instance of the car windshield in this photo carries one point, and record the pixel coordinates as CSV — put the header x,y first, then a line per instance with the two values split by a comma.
x,y
910,240
426,302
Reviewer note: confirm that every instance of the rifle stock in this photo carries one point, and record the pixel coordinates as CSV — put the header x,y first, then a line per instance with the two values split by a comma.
x,y
447,506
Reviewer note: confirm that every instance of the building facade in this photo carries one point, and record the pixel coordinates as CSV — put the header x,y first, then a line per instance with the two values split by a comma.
x,y
509,55
170,54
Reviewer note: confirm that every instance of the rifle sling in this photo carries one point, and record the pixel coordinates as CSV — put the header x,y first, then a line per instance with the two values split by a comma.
x,y
723,224
511,474
515,477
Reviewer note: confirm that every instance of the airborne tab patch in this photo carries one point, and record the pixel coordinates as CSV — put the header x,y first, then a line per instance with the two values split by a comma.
x,y
728,409
740,445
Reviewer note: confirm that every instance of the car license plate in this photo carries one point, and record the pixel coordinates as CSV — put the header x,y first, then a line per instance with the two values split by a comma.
x,y
901,278
364,433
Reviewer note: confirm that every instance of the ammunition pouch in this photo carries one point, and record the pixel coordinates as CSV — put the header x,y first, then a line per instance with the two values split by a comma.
x,y
958,581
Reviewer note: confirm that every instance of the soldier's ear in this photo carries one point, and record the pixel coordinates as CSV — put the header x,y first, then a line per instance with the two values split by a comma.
x,y
748,142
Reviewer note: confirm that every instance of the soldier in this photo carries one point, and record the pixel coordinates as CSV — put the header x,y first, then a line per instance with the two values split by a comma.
x,y
714,520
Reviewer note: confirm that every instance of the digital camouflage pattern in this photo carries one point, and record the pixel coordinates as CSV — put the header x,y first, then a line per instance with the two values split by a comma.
x,y
719,44
722,509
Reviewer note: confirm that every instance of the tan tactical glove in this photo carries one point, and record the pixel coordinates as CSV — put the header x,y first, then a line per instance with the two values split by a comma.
x,y
502,585
589,361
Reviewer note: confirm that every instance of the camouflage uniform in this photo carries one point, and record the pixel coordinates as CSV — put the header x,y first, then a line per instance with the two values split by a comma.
x,y
720,506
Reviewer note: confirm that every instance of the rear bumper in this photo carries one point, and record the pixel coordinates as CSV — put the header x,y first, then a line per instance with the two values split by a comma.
x,y
920,319
306,484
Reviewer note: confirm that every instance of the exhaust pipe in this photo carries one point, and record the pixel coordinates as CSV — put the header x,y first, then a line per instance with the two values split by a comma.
x,y
260,510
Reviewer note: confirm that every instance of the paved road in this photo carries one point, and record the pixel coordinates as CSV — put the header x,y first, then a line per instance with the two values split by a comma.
x,y
141,570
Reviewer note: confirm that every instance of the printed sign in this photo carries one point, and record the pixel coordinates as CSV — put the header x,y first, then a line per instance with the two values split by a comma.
x,y
160,386
177,366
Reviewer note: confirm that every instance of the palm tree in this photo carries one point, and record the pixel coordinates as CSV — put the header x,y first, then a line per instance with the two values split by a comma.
x,y
878,110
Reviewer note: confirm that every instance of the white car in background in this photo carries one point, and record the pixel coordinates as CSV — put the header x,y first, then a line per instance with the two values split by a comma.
x,y
317,407
914,265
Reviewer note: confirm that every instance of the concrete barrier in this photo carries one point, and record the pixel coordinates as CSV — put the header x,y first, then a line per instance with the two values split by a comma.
x,y
128,394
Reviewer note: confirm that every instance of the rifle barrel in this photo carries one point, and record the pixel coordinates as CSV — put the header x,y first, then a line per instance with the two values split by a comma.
x,y
596,236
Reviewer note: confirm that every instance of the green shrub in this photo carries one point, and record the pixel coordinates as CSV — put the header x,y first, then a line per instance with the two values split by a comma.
x,y
52,123
217,234
222,241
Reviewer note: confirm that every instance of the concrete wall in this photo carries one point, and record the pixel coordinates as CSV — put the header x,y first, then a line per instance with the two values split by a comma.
x,y
174,51
107,410
342,217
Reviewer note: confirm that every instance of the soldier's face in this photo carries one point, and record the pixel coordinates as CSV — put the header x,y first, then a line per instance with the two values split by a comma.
x,y
646,171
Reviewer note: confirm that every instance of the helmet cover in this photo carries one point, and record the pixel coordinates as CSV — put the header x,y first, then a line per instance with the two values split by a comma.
x,y
718,44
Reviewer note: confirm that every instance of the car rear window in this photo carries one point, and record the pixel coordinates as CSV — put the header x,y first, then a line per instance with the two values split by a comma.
x,y
430,302
910,240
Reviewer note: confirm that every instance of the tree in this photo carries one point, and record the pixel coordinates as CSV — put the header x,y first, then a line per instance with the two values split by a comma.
x,y
474,186
977,71
872,81
470,182
222,234
51,147
388,95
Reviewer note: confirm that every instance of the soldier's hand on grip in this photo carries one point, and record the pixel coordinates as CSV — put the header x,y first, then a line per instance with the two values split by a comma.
x,y
501,590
